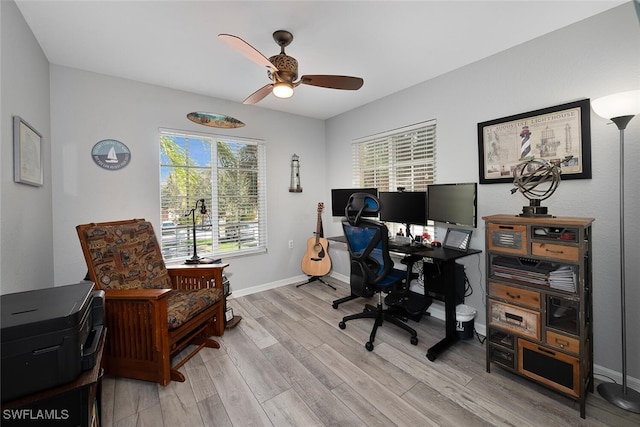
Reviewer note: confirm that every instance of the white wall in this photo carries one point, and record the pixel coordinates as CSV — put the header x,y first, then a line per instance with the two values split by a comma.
x,y
592,58
88,107
26,242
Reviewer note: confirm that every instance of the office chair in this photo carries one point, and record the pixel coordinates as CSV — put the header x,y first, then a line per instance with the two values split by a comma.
x,y
372,268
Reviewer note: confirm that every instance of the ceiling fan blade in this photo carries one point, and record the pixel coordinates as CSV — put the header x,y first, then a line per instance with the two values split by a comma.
x,y
247,50
259,95
333,82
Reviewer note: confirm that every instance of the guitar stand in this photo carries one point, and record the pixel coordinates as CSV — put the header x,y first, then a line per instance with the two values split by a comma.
x,y
313,279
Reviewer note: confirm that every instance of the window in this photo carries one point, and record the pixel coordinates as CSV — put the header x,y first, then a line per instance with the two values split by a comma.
x,y
229,174
400,158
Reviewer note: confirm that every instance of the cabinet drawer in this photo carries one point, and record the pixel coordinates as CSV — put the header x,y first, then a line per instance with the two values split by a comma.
x,y
550,250
507,238
502,357
518,320
517,295
555,369
562,341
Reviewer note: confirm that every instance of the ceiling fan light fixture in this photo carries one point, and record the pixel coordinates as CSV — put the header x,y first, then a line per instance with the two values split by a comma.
x,y
283,90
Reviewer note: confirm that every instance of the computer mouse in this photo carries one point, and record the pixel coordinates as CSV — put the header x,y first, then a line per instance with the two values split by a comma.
x,y
436,244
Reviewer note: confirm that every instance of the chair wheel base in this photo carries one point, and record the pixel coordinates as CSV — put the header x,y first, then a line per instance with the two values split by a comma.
x,y
369,346
342,325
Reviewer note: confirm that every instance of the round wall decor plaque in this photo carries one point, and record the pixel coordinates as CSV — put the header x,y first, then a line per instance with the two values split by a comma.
x,y
111,154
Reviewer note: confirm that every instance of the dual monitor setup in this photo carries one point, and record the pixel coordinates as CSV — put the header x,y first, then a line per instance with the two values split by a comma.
x,y
454,204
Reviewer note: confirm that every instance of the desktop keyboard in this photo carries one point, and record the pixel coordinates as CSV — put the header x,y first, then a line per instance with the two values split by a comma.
x,y
405,248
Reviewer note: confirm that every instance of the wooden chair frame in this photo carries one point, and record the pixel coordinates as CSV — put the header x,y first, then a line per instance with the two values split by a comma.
x,y
139,342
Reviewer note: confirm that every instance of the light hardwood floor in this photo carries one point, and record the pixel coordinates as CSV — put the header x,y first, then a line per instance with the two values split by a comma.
x,y
288,364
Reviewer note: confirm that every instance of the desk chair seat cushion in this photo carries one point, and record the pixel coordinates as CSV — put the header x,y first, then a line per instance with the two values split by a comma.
x,y
393,278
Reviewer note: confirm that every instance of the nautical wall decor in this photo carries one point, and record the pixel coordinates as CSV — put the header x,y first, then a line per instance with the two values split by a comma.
x,y
215,120
111,154
295,175
559,134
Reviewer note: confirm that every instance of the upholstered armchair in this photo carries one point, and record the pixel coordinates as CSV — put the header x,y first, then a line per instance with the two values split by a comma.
x,y
152,312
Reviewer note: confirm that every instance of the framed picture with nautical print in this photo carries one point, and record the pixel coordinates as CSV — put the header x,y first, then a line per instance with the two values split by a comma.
x,y
27,153
560,135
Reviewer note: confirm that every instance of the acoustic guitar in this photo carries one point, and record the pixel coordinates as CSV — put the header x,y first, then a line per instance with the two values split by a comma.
x,y
316,261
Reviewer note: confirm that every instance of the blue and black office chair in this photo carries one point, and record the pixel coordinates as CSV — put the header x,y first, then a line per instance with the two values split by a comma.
x,y
372,269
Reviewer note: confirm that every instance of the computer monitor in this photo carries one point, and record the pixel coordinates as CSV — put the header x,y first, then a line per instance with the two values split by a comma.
x,y
453,203
340,197
404,207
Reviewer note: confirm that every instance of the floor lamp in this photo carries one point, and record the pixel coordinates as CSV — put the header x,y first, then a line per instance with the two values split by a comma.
x,y
620,108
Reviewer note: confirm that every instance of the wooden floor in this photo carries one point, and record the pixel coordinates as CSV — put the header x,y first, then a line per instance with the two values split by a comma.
x,y
288,364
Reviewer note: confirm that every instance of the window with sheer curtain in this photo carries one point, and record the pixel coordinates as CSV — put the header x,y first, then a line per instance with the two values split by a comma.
x,y
229,174
402,157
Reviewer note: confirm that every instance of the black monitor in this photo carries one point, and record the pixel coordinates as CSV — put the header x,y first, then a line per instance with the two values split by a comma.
x,y
453,203
404,207
340,197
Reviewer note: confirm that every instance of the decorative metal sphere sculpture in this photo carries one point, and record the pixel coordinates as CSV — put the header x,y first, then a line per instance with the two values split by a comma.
x,y
536,179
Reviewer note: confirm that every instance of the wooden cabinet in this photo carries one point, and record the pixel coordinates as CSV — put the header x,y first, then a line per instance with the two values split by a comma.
x,y
539,300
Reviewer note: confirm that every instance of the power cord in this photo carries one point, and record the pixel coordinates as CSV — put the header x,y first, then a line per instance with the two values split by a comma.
x,y
480,340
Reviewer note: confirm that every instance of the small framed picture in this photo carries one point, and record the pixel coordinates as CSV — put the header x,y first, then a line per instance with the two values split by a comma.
x,y
27,153
458,239
228,315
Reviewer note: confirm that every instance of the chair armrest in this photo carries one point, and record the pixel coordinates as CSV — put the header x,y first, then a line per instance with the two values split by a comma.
x,y
136,294
196,276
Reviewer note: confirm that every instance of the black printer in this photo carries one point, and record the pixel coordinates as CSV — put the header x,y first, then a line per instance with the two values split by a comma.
x,y
49,336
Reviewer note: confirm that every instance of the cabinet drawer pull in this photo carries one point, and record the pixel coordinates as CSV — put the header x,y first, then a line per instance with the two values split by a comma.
x,y
562,343
515,317
554,252
506,227
544,350
510,295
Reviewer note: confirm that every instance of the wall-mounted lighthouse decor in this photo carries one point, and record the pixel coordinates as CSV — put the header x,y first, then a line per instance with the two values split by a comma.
x,y
295,175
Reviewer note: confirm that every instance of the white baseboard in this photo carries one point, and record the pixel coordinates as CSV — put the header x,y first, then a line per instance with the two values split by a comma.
x,y
436,309
267,286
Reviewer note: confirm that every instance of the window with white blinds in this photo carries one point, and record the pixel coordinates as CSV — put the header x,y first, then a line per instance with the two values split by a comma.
x,y
230,175
400,158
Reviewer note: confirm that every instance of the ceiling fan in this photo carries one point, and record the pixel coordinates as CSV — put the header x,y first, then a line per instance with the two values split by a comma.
x,y
282,69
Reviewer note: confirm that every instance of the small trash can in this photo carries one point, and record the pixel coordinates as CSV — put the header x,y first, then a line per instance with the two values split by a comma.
x,y
465,316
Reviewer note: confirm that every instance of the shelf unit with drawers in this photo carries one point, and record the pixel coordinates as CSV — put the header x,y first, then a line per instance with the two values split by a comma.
x,y
539,300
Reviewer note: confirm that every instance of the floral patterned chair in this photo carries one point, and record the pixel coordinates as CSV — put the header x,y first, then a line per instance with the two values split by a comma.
x,y
152,312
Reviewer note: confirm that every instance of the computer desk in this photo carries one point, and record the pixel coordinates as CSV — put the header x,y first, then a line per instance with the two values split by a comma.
x,y
446,258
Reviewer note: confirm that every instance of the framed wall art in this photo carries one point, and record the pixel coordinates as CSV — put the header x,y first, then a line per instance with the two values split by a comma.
x,y
560,135
27,153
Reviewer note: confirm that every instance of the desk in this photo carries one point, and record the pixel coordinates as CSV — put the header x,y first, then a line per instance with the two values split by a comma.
x,y
446,258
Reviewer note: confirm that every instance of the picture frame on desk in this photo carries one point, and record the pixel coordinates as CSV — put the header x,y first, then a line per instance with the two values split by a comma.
x,y
560,134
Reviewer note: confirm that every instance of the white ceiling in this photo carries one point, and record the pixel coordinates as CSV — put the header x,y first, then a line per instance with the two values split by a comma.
x,y
392,45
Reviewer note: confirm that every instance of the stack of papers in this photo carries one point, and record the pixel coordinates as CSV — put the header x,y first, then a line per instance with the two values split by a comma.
x,y
564,278
528,271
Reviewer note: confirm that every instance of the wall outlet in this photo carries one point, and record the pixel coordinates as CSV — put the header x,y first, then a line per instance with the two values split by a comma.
x,y
290,244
